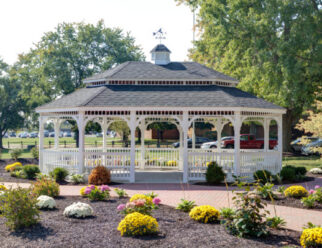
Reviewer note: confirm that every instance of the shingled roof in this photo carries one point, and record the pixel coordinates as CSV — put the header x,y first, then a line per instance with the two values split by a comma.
x,y
159,96
136,70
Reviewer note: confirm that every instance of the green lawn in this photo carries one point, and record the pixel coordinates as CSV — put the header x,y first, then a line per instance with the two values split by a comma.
x,y
309,162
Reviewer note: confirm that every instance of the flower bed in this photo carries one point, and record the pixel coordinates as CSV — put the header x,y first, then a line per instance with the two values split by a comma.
x,y
176,229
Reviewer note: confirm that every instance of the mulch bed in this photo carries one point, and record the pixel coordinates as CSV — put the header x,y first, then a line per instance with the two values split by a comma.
x,y
5,176
176,230
293,202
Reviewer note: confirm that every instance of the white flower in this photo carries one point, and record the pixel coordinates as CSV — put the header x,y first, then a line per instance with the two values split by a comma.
x,y
78,210
46,202
316,171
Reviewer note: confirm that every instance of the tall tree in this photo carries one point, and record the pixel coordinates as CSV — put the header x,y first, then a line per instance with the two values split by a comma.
x,y
62,58
11,104
272,46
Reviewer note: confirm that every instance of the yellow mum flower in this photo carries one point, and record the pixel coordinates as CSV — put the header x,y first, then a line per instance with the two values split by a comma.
x,y
204,214
296,191
311,237
11,167
147,199
137,224
2,188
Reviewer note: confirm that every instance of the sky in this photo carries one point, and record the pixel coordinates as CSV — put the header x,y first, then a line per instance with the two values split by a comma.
x,y
22,23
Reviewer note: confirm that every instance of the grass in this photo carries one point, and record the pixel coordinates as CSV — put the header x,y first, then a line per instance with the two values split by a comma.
x,y
309,162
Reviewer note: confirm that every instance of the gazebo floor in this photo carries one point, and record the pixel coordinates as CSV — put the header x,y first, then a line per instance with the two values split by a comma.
x,y
158,176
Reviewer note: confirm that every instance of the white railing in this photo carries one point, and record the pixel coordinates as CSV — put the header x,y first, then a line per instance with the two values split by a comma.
x,y
117,160
198,160
166,158
67,159
252,161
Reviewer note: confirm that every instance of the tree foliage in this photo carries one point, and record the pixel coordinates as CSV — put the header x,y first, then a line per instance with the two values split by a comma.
x,y
272,46
11,103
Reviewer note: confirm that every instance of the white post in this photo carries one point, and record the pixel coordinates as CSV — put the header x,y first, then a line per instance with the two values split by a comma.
x,y
142,128
180,148
266,134
104,129
132,153
280,140
185,126
219,128
237,125
41,144
193,136
81,143
57,132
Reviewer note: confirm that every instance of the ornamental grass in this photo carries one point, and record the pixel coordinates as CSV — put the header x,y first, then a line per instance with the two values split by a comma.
x,y
136,224
296,191
204,214
311,238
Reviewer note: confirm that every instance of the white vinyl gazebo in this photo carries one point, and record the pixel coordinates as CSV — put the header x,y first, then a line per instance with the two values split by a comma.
x,y
180,93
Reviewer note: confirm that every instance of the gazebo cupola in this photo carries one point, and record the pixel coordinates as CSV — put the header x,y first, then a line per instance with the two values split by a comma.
x,y
160,55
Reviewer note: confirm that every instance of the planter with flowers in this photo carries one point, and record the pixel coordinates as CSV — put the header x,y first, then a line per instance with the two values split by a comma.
x,y
96,193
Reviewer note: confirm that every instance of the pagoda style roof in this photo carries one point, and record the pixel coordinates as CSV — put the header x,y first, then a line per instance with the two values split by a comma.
x,y
136,70
159,96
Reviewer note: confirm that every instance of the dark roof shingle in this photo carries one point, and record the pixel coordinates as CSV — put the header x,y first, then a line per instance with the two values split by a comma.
x,y
160,96
136,70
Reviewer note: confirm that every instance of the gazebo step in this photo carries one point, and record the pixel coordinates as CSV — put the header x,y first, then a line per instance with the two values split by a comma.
x,y
158,177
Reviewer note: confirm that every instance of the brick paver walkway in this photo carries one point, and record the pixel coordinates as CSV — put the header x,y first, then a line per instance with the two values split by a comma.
x,y
218,197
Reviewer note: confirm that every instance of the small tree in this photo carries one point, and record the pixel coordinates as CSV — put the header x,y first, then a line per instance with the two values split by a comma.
x,y
313,124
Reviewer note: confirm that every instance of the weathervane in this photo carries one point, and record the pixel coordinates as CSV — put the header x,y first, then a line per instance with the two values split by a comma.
x,y
159,35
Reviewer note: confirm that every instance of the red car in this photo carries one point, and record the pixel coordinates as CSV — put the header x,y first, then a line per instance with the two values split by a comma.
x,y
248,141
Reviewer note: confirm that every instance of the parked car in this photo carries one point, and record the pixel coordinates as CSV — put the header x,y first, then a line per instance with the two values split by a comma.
x,y
199,142
296,145
23,135
67,134
308,149
34,135
12,134
52,134
248,141
99,134
46,133
213,144
5,136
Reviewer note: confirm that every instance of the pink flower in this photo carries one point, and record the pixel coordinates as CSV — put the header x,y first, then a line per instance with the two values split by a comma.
x,y
92,186
156,201
105,188
317,186
312,191
139,203
121,207
130,205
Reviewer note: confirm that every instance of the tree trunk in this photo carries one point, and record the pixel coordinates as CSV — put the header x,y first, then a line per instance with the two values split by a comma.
x,y
1,144
288,119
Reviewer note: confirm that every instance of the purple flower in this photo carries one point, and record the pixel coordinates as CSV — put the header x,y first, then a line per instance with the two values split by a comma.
x,y
312,191
121,207
92,186
105,188
317,186
87,190
156,201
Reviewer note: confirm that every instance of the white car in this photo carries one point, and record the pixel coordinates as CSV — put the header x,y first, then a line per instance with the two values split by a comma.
x,y
213,144
309,148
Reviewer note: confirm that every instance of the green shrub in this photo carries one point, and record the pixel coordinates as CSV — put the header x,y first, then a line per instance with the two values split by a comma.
x,y
250,215
59,174
46,186
186,205
275,222
120,192
214,173
30,171
265,191
19,208
76,178
262,176
35,153
308,201
15,153
18,172
288,173
300,171
227,213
